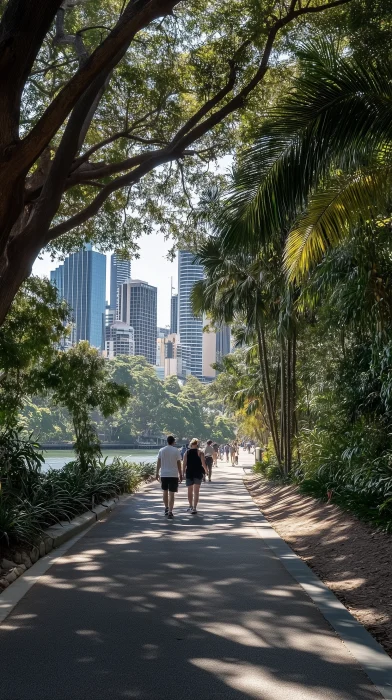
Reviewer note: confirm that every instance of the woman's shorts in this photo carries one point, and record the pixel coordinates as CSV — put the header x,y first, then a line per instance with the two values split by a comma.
x,y
192,481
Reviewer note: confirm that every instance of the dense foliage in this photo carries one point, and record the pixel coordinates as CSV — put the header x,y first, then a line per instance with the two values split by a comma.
x,y
113,112
300,263
154,407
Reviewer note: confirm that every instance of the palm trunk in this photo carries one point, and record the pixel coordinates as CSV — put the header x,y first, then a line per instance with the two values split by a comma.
x,y
294,390
265,377
283,444
289,412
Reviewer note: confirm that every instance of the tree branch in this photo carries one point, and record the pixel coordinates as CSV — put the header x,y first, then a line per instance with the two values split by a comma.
x,y
138,14
186,135
239,100
74,40
23,28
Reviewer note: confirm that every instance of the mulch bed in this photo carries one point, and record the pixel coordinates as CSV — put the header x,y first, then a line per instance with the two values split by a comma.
x,y
353,559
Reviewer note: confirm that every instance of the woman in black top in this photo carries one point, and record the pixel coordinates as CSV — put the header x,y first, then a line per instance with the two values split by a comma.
x,y
194,467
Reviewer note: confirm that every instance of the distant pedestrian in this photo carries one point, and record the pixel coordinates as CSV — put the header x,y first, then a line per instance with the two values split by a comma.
x,y
216,453
194,467
169,466
209,458
184,449
221,451
232,453
227,451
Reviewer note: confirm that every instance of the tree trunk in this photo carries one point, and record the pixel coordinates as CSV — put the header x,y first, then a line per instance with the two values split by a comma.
x,y
267,389
294,388
289,412
283,443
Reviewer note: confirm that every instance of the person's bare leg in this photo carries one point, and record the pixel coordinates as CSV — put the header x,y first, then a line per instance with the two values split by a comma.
x,y
171,501
166,498
196,490
190,496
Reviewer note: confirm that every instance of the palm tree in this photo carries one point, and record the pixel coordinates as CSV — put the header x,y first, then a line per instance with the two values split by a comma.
x,y
322,164
249,289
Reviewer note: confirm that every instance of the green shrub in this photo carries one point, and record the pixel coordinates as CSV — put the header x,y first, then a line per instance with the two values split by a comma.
x,y
20,460
353,468
61,494
269,469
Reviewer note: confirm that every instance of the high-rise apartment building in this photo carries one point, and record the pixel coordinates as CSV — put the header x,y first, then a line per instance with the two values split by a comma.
x,y
190,327
174,314
120,272
177,357
81,281
216,344
120,340
138,308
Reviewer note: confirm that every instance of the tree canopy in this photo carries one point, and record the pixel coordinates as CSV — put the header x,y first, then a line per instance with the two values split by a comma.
x,y
112,112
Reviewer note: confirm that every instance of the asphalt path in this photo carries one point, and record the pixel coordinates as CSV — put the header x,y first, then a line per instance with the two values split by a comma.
x,y
196,608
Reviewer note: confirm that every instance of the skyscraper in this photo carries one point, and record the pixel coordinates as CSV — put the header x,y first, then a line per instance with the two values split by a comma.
x,y
190,327
223,341
138,308
216,344
120,272
81,281
174,314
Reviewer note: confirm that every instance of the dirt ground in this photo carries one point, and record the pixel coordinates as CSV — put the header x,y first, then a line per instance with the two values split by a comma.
x,y
353,560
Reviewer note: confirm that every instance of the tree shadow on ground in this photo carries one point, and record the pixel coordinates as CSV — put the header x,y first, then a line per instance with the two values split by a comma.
x,y
352,558
196,608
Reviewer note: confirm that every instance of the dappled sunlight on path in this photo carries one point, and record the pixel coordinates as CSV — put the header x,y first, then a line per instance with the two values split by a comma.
x,y
196,608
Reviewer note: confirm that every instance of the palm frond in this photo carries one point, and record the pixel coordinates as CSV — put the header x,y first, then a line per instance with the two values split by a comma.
x,y
332,213
339,114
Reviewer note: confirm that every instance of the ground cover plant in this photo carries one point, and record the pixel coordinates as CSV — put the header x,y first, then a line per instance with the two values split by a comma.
x,y
31,501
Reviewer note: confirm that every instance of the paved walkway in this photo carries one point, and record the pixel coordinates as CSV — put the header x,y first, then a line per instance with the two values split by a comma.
x,y
197,608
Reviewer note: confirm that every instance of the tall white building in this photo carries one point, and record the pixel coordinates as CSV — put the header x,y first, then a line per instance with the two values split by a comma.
x,y
190,327
120,340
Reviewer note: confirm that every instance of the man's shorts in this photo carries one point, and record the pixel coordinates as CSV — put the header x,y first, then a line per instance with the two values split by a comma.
x,y
169,483
209,460
192,481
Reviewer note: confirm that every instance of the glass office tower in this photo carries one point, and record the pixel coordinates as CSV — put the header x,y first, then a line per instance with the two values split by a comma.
x,y
81,281
120,272
190,327
138,308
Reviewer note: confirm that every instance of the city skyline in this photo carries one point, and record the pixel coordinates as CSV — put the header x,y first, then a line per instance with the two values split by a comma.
x,y
81,280
152,266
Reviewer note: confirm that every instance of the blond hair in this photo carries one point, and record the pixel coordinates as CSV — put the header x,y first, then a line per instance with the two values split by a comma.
x,y
194,441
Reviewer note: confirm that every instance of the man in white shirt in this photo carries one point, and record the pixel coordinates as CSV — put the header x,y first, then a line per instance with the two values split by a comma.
x,y
169,464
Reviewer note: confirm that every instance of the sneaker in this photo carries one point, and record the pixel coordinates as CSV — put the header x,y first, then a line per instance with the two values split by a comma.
x,y
170,515
166,511
209,480
193,511
189,510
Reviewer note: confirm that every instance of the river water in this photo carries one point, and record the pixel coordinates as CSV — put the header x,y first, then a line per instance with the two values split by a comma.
x,y
56,459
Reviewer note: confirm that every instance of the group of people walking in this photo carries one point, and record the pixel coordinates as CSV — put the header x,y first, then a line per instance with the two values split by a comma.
x,y
191,463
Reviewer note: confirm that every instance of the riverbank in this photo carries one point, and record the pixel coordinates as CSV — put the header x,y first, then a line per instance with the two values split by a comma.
x,y
56,459
353,559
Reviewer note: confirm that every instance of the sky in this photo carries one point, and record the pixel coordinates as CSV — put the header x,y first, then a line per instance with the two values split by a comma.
x,y
152,267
